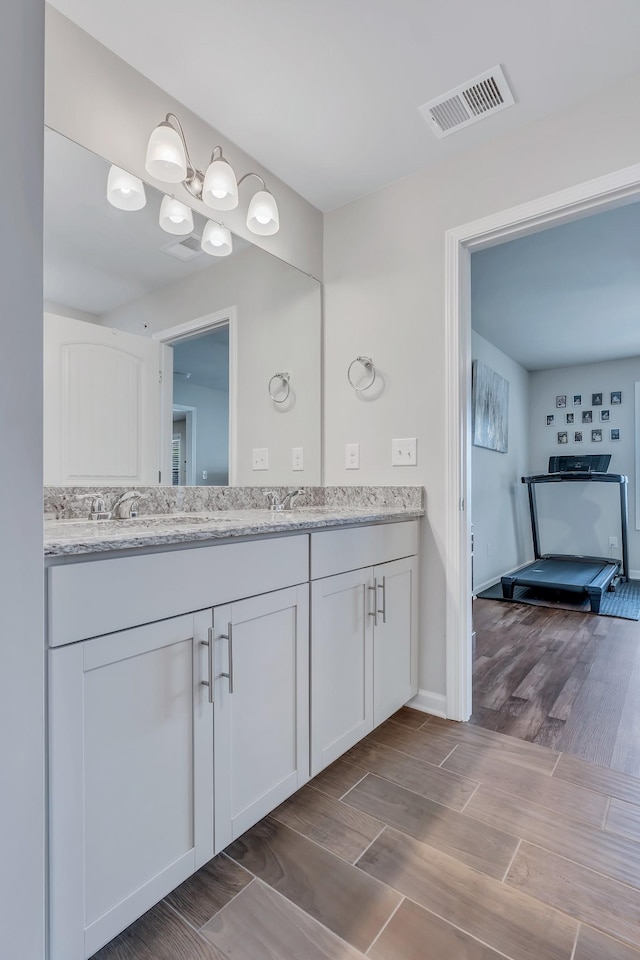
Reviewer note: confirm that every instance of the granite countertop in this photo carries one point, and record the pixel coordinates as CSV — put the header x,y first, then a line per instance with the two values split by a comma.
x,y
76,537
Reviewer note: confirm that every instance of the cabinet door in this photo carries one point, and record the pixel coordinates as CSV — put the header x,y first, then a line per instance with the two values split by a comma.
x,y
341,664
131,777
394,637
261,710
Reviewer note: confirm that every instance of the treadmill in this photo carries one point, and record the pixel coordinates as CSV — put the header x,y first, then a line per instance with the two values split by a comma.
x,y
591,576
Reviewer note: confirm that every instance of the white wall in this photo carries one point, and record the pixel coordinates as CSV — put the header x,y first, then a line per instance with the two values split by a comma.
x,y
98,100
384,296
279,329
579,519
499,505
212,430
21,578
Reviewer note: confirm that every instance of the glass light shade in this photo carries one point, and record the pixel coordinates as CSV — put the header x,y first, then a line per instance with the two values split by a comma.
x,y
125,191
220,189
166,159
216,239
262,215
175,217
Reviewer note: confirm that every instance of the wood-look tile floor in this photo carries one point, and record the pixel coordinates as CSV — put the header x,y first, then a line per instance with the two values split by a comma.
x,y
560,678
430,840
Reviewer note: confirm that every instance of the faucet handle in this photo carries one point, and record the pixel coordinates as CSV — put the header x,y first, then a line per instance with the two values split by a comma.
x,y
98,509
273,498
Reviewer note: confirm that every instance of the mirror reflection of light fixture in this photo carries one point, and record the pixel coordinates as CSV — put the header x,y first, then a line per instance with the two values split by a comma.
x,y
125,191
216,239
168,160
175,217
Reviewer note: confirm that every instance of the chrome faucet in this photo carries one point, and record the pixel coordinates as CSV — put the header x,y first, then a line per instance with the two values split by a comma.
x,y
290,498
125,506
287,501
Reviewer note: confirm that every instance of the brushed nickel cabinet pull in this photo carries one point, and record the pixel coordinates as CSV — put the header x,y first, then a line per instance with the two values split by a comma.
x,y
374,613
209,681
228,636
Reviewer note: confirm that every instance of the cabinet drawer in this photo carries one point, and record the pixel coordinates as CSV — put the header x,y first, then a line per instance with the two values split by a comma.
x,y
102,596
336,551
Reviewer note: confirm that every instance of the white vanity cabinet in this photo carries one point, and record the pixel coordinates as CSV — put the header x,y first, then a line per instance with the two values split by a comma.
x,y
261,692
172,732
131,768
363,634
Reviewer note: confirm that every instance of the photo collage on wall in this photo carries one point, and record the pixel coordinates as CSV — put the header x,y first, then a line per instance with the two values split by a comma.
x,y
590,422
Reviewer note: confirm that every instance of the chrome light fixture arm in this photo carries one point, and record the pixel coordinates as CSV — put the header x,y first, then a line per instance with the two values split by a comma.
x,y
195,178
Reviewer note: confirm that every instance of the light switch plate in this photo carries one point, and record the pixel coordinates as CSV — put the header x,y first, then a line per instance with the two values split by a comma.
x,y
352,456
260,458
404,453
297,458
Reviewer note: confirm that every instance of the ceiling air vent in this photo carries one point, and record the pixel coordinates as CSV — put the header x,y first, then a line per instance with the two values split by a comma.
x,y
468,103
187,248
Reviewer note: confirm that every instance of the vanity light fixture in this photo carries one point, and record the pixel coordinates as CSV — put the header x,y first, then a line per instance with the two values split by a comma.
x,y
168,160
175,217
125,191
216,239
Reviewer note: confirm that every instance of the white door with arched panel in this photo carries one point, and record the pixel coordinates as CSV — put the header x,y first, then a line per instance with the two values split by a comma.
x,y
101,405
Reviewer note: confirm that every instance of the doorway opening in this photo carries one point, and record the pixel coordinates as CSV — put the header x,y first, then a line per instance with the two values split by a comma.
x,y
598,195
198,439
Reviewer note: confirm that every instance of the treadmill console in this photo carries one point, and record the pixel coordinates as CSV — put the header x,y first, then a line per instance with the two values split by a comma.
x,y
591,463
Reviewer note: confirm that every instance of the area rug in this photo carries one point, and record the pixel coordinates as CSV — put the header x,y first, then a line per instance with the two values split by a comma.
x,y
623,602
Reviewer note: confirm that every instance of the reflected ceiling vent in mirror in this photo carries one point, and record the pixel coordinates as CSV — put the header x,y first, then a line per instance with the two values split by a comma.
x,y
188,248
168,160
481,97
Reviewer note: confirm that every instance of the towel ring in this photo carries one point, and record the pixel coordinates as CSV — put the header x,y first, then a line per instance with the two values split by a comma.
x,y
285,378
367,363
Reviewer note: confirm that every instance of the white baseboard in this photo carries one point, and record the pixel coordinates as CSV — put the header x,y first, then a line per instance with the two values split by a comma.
x,y
478,588
634,574
429,702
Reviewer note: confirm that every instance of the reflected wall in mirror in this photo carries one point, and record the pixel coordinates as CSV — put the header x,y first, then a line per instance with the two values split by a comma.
x,y
158,356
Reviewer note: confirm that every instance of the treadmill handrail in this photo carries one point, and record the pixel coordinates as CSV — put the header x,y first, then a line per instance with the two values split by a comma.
x,y
569,476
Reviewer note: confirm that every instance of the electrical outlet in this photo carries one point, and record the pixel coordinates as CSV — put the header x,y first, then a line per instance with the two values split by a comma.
x,y
352,456
260,458
613,543
404,453
297,458
205,475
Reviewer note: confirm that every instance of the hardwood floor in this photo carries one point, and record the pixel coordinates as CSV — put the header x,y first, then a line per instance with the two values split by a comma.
x,y
566,680
430,840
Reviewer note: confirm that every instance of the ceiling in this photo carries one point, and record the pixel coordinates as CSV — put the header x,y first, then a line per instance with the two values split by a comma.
x,y
564,296
97,258
326,95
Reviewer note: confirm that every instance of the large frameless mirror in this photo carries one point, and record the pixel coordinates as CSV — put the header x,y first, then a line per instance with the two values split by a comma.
x,y
165,363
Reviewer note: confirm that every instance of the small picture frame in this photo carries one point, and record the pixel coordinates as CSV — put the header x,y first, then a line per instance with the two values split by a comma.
x,y
550,419
563,436
596,399
569,417
587,416
577,399
605,416
614,433
596,436
616,397
561,401
577,436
